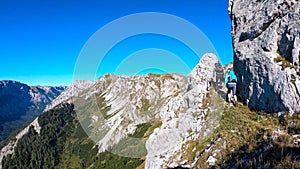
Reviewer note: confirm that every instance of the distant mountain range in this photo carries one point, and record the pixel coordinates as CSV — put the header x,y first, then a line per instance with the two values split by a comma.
x,y
20,104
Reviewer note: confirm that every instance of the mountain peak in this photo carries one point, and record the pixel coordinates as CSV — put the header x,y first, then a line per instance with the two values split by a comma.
x,y
205,67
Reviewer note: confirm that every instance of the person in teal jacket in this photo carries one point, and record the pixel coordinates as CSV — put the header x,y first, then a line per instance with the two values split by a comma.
x,y
230,82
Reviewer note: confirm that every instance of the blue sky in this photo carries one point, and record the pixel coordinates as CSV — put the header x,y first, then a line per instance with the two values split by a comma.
x,y
40,41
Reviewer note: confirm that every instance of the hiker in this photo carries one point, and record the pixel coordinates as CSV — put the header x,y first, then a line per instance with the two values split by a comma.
x,y
230,82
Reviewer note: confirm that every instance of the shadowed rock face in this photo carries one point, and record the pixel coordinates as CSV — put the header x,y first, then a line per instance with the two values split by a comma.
x,y
20,104
266,41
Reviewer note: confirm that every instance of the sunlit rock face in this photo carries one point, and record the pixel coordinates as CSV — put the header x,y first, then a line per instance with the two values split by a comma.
x,y
183,119
266,41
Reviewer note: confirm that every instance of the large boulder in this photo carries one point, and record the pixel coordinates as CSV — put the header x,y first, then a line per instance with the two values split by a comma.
x,y
266,42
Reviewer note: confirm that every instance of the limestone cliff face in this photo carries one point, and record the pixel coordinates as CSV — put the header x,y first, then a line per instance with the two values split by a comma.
x,y
184,120
266,41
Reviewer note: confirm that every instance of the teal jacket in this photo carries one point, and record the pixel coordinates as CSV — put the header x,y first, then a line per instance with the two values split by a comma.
x,y
229,76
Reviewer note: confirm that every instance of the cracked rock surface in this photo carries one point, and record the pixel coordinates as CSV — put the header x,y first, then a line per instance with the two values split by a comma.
x,y
266,41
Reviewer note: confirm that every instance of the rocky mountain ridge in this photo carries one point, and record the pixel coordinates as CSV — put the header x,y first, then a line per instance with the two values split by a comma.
x,y
71,91
152,121
126,102
112,109
21,103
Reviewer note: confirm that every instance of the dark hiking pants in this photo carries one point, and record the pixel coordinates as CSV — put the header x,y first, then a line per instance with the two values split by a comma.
x,y
231,86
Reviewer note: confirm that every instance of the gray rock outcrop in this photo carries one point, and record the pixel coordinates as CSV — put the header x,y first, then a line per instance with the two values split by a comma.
x,y
184,119
71,91
266,41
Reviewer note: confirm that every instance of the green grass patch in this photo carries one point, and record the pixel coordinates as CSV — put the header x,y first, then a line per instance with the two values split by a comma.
x,y
145,104
109,160
103,107
205,140
141,130
246,134
192,149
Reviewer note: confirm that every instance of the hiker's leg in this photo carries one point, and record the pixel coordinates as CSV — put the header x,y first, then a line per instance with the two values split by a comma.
x,y
230,87
234,89
228,92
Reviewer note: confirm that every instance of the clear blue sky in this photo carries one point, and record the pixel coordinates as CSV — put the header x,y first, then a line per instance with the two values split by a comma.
x,y
40,40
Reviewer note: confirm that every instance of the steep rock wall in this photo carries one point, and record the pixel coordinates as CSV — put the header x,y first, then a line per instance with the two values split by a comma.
x,y
183,119
266,41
